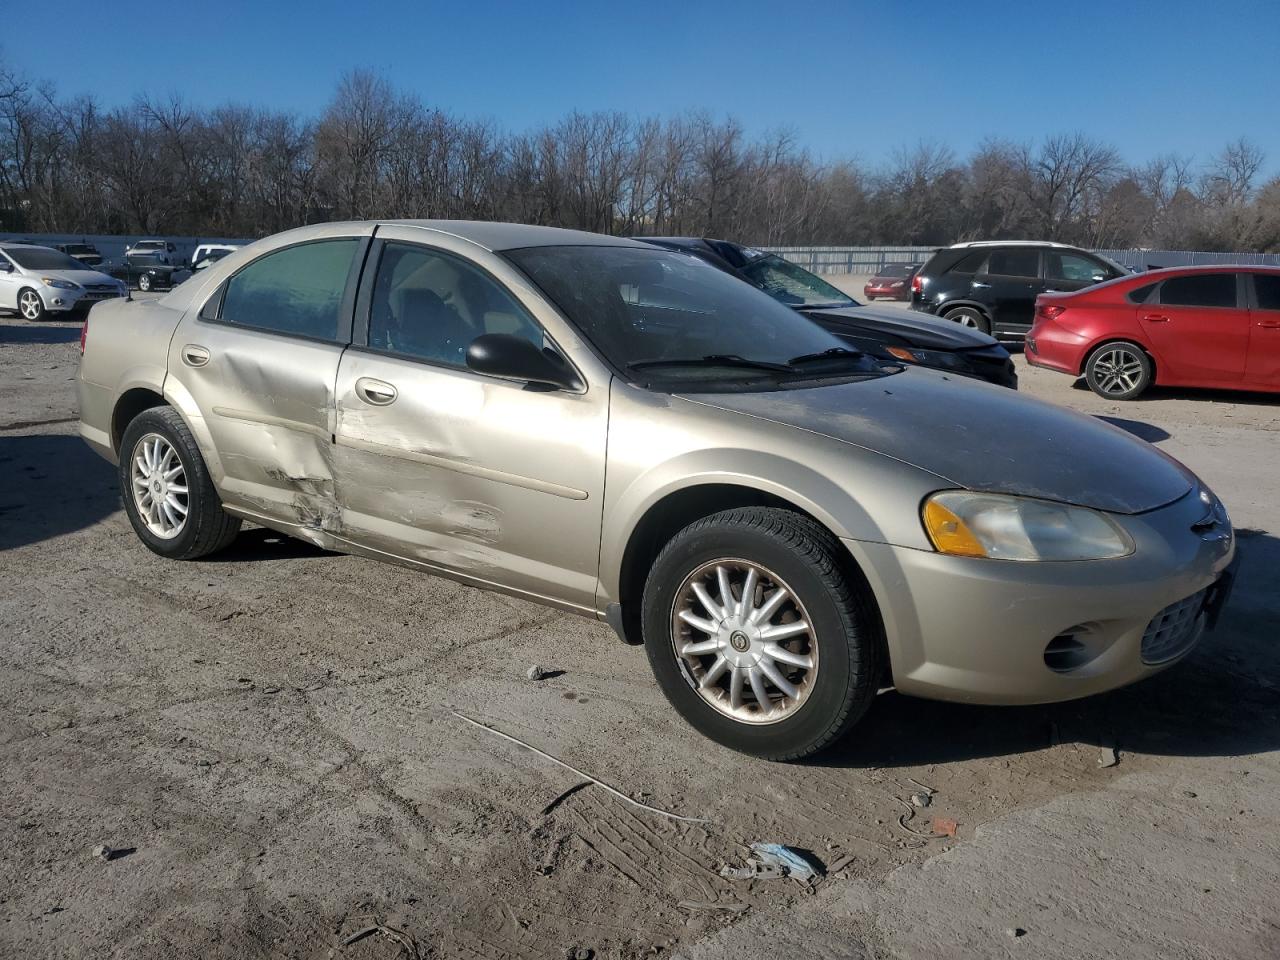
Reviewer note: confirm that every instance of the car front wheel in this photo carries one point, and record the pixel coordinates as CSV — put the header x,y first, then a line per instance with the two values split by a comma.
x,y
167,491
756,635
30,305
144,282
1119,371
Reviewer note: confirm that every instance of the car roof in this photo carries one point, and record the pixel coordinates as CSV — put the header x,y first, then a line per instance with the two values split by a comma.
x,y
1013,243
495,236
17,244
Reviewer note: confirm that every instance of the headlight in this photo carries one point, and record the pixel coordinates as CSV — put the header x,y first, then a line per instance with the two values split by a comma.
x,y
932,358
59,284
1001,527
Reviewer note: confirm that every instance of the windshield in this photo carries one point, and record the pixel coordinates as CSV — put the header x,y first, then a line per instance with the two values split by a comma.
x,y
898,270
42,258
792,285
79,248
678,317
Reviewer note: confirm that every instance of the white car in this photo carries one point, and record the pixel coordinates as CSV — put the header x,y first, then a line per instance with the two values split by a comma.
x,y
207,254
163,250
37,281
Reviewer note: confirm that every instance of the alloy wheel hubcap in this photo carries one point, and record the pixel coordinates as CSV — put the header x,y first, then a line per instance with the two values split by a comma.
x,y
744,641
159,486
1117,371
30,305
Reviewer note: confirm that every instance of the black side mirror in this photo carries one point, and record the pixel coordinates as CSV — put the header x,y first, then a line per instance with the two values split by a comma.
x,y
505,355
6,266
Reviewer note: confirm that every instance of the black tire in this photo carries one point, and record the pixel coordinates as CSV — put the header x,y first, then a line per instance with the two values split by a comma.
x,y
1120,370
208,528
845,628
969,317
144,282
30,306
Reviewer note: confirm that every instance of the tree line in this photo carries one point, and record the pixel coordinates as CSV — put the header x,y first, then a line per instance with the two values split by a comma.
x,y
163,166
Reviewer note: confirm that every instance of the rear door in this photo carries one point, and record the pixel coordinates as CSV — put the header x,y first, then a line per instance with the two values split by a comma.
x,y
1198,326
1263,365
258,361
483,477
1009,284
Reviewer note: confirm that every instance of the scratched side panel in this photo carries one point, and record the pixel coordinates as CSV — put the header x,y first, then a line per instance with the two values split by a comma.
x,y
266,404
475,476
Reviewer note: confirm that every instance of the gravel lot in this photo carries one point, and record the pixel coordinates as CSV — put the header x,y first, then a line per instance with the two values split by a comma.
x,y
266,739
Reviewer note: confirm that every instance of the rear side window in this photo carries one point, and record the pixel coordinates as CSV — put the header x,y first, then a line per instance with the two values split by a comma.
x,y
297,290
430,305
1201,290
1014,263
1073,266
1141,294
1267,286
969,263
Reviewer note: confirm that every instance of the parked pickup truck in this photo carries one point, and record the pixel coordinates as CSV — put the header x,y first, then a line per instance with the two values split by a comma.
x,y
146,272
86,253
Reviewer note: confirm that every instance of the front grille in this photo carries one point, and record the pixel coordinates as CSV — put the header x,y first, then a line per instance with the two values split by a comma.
x,y
101,286
1174,630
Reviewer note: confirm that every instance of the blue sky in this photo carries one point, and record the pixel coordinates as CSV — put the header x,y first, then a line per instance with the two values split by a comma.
x,y
853,79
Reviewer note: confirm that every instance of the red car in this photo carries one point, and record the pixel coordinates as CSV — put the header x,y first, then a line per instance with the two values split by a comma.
x,y
1181,327
892,282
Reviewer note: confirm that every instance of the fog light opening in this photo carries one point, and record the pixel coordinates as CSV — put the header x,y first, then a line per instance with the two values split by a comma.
x,y
1070,650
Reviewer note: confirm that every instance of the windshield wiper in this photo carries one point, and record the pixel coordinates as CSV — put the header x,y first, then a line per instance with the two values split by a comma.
x,y
835,353
711,360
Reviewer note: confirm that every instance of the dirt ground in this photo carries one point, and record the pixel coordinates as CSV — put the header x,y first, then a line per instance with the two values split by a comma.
x,y
267,740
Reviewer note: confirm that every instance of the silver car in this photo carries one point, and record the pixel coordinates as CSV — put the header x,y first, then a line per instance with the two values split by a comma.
x,y
627,433
40,281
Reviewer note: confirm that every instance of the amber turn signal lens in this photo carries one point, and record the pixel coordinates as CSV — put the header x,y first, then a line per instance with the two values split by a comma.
x,y
949,533
902,354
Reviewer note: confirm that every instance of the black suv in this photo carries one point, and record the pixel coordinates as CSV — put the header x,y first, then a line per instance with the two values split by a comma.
x,y
888,333
993,285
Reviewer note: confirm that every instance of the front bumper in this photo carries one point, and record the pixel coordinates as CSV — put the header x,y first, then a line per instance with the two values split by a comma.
x,y
984,631
57,300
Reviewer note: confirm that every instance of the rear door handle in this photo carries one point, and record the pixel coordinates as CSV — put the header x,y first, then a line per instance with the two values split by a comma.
x,y
980,286
377,392
194,355
1269,324
1156,318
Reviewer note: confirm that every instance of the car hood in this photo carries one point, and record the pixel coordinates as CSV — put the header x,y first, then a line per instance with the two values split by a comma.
x,y
75,276
916,331
979,437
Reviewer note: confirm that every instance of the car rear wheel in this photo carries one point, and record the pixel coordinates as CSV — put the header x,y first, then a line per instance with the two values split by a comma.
x,y
30,305
144,282
1119,371
969,317
168,493
757,637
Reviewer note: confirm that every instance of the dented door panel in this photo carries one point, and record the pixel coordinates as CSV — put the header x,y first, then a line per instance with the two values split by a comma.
x,y
473,475
267,403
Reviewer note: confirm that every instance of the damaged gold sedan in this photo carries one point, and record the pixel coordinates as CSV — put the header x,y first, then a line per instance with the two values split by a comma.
x,y
625,432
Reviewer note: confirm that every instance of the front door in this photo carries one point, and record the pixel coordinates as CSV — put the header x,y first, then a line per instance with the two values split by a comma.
x,y
254,370
1010,285
1066,271
479,476
1198,326
1263,366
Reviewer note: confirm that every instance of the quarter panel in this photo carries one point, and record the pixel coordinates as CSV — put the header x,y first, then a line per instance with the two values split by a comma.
x,y
659,444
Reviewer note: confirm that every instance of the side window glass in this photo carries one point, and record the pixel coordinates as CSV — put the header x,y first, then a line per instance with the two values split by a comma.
x,y
969,263
1072,266
1200,290
1142,293
1267,286
431,305
297,290
1015,263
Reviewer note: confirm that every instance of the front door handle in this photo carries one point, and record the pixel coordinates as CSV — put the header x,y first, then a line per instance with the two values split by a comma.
x,y
1156,318
377,392
194,355
980,286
